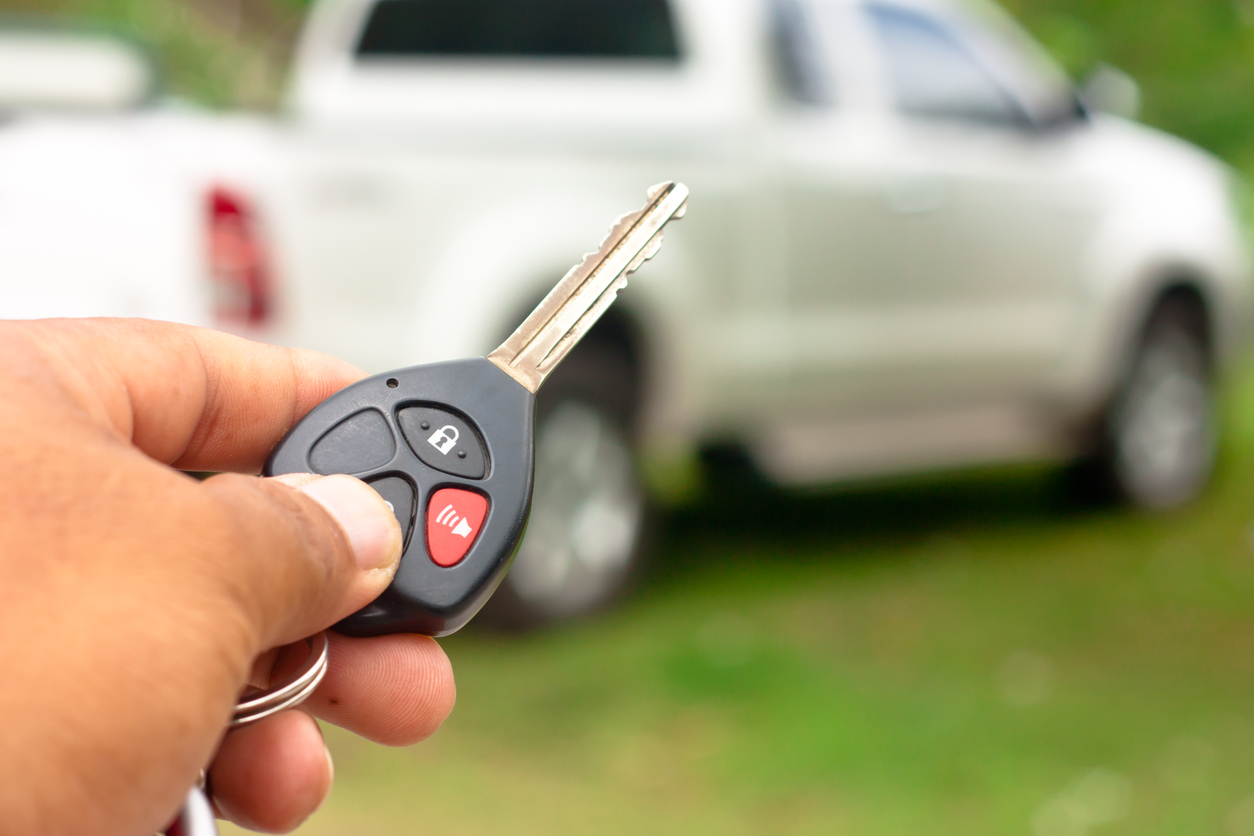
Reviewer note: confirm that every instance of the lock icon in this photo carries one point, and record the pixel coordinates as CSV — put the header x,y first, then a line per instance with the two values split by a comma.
x,y
442,440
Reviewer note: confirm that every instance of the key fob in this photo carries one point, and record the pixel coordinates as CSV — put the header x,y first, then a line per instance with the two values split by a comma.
x,y
450,447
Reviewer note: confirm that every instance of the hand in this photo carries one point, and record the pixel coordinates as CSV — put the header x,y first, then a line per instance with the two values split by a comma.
x,y
134,599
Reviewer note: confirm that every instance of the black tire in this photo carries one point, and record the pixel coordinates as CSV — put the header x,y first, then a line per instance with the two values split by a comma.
x,y
584,540
1158,434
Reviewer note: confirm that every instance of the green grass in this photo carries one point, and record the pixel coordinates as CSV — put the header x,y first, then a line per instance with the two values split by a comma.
x,y
958,655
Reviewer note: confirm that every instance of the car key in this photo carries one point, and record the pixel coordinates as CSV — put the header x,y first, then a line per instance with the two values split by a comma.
x,y
450,445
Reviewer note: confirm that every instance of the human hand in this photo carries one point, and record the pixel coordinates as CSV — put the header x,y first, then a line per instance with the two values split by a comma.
x,y
135,600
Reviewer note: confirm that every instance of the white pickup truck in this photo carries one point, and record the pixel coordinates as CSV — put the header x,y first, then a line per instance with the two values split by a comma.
x,y
909,245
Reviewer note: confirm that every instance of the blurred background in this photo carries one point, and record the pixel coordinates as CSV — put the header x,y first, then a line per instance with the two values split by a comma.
x,y
818,547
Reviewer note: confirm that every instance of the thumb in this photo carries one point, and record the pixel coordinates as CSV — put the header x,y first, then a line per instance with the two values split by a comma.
x,y
307,550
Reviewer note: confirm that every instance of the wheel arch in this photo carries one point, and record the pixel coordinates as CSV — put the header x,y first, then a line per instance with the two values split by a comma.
x,y
1111,330
1189,291
1180,284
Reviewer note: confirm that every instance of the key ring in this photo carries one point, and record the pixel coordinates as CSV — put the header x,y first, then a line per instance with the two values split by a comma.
x,y
289,694
196,816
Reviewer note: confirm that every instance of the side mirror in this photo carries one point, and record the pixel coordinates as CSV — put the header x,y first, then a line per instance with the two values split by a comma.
x,y
66,69
1110,90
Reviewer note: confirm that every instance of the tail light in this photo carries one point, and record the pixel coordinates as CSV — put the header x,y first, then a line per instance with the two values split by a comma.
x,y
239,268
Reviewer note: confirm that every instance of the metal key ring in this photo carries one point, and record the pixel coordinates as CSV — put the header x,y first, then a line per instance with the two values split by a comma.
x,y
196,817
288,694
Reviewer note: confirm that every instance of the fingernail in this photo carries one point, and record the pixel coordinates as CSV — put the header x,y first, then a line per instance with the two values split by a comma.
x,y
371,527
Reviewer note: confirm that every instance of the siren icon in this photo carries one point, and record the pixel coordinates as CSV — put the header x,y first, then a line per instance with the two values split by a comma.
x,y
450,518
452,531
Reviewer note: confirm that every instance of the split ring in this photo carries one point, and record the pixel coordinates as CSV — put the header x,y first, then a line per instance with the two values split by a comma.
x,y
289,694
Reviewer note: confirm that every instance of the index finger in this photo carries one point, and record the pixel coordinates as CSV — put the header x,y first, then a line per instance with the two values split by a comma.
x,y
189,397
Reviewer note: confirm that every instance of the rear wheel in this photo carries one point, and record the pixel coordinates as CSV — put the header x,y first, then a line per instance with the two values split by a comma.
x,y
1159,431
583,540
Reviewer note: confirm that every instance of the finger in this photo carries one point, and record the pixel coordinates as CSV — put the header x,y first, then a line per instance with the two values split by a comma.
x,y
272,775
394,690
190,397
299,559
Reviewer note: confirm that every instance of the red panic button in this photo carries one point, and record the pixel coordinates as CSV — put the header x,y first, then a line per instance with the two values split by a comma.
x,y
454,519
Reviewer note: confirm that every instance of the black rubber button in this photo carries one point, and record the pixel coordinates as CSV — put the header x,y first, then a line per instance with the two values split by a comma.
x,y
398,493
361,442
441,438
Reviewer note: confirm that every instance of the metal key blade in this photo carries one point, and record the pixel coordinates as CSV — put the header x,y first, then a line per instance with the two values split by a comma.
x,y
577,302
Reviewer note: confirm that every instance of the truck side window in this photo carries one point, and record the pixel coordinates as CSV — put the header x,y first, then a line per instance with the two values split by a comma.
x,y
622,29
797,54
933,75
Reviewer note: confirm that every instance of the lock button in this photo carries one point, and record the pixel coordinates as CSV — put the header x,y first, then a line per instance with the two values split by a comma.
x,y
444,441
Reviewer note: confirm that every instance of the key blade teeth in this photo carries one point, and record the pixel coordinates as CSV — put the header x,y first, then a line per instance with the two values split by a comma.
x,y
588,289
650,250
622,225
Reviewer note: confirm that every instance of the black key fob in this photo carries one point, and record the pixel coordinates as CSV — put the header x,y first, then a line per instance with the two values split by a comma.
x,y
451,445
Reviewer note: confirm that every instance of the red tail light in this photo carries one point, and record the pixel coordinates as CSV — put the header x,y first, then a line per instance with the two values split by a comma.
x,y
239,269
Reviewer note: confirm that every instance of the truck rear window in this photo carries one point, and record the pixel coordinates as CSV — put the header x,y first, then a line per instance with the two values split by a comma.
x,y
621,29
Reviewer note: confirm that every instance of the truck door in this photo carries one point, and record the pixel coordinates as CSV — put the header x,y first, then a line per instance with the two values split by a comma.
x,y
935,255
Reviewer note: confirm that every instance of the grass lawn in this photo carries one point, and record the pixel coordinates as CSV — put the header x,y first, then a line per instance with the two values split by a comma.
x,y
961,655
